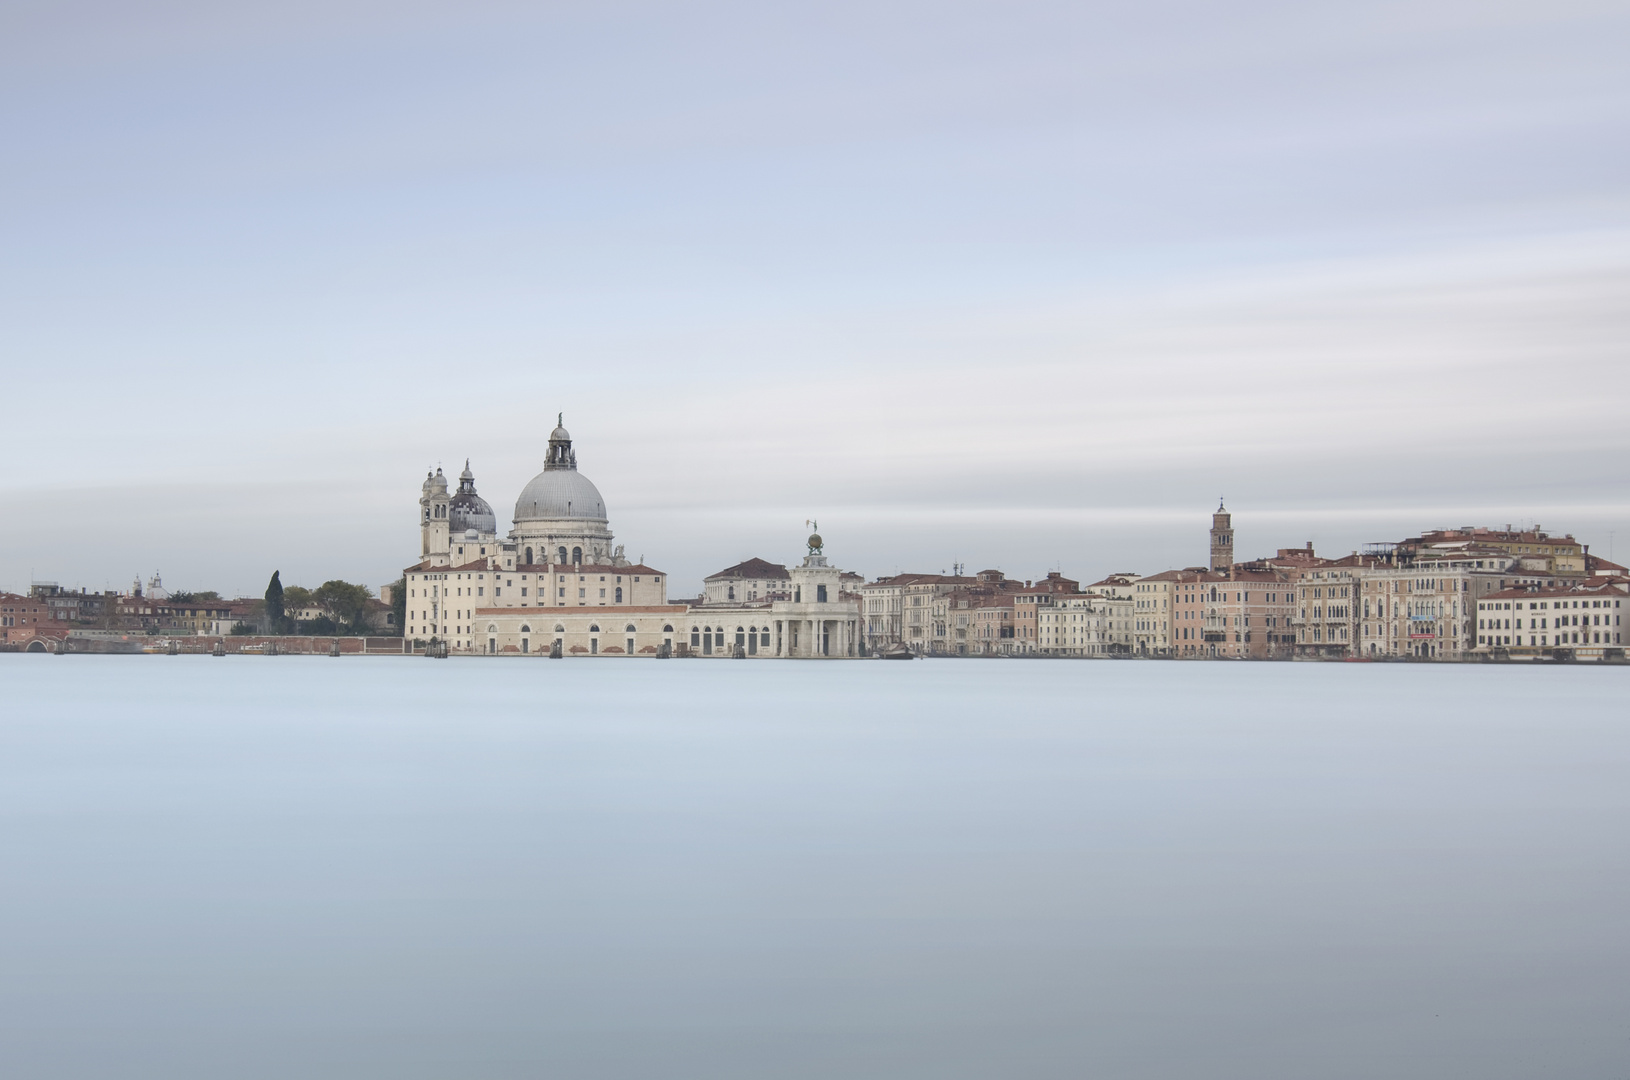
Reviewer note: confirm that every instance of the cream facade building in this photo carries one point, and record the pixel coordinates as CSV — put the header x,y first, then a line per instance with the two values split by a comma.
x,y
814,616
1152,614
1087,625
1426,609
1583,621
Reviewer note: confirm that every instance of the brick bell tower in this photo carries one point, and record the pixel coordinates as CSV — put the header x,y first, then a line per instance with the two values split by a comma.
x,y
1222,539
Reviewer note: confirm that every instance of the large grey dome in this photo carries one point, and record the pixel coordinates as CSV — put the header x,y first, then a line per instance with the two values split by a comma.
x,y
560,491
555,494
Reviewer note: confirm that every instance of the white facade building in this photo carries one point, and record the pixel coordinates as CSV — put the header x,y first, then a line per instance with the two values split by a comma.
x,y
1089,625
1582,621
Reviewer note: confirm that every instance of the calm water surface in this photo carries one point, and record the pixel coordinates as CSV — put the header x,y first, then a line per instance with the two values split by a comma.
x,y
308,867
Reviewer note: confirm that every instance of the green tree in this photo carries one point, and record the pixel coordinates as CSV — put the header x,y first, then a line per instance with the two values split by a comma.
x,y
297,598
274,604
345,603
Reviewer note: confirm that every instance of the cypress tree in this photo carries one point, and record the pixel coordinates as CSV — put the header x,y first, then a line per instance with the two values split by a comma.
x,y
274,604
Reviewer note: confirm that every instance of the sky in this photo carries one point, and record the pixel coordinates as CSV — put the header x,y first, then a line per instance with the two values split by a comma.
x,y
1021,285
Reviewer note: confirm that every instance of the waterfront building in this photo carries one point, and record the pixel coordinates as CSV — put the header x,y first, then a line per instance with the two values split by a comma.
x,y
25,620
1152,614
1095,625
1425,608
899,609
1581,620
950,621
1030,602
820,621
814,612
1326,623
1244,613
982,625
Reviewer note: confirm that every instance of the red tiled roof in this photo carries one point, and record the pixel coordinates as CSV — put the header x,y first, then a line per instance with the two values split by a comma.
x,y
752,568
1590,587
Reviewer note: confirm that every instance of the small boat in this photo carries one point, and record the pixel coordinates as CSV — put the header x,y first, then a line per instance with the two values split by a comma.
x,y
898,651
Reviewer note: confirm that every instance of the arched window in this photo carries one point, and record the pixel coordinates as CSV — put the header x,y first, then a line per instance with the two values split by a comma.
x,y
594,629
820,594
577,555
668,629
529,556
562,559
491,629
559,629
619,594
732,593
525,629
630,629
695,638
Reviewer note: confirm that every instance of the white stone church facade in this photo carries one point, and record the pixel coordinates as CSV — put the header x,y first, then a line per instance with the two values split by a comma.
x,y
556,582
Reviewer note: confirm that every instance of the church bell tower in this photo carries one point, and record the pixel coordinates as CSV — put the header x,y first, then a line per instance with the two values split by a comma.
x,y
433,504
1222,539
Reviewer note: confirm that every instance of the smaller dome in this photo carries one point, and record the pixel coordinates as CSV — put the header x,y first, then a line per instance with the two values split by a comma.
x,y
437,483
469,511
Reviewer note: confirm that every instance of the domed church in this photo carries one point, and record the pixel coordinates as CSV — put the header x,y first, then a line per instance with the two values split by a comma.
x,y
556,585
480,592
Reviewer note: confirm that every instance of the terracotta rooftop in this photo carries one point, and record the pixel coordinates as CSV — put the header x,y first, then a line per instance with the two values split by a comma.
x,y
752,568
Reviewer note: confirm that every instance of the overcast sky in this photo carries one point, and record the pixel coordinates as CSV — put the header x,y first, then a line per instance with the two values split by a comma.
x,y
1017,285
